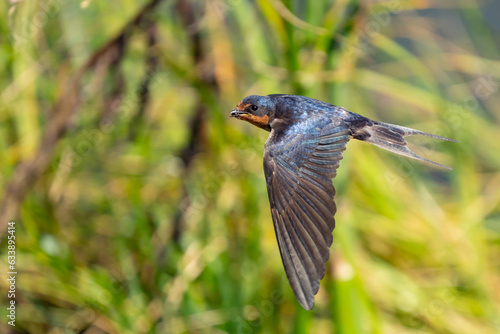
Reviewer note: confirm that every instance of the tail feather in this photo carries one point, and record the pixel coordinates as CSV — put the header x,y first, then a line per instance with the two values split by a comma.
x,y
391,137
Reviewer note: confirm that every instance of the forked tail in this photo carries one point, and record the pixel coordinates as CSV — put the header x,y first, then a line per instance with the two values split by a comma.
x,y
389,136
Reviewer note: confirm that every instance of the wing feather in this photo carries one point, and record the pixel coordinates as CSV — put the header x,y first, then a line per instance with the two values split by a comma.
x,y
299,168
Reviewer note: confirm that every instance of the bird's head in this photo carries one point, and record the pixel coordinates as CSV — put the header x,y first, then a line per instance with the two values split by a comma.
x,y
256,110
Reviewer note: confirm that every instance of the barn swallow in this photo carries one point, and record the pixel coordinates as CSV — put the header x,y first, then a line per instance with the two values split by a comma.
x,y
301,157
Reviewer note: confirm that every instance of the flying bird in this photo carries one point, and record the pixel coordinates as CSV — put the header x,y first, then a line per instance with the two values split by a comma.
x,y
301,157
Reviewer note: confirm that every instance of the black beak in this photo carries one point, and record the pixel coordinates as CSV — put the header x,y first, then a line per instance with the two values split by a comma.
x,y
236,112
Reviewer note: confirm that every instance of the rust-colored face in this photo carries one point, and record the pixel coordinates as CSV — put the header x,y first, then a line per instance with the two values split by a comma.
x,y
241,106
245,113
260,121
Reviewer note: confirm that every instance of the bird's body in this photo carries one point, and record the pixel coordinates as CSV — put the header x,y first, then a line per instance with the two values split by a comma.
x,y
301,157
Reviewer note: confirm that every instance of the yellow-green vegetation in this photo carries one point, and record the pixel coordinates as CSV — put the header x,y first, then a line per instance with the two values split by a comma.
x,y
140,207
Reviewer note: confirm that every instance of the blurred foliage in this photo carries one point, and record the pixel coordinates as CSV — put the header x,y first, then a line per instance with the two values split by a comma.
x,y
152,214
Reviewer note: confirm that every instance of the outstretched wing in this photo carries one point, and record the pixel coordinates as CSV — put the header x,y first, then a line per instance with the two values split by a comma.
x,y
299,168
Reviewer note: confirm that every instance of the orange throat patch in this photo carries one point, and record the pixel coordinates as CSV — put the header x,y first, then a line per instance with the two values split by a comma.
x,y
260,121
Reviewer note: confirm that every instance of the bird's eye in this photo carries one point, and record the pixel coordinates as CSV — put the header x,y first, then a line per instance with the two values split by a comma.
x,y
254,107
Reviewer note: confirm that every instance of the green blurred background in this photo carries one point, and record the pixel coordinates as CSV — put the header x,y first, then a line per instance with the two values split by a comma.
x,y
140,207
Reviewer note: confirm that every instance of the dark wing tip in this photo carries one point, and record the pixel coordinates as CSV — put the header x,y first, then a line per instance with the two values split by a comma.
x,y
307,304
